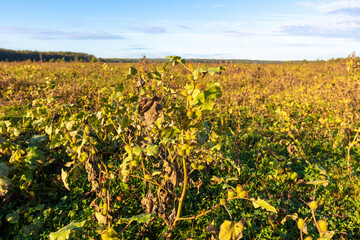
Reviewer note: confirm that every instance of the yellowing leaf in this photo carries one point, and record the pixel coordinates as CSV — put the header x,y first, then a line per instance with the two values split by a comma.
x,y
318,182
109,234
64,178
293,217
327,236
263,204
231,230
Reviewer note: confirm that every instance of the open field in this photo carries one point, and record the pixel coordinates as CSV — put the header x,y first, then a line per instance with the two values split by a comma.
x,y
195,151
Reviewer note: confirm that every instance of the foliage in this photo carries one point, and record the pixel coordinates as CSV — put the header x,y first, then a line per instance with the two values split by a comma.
x,y
179,150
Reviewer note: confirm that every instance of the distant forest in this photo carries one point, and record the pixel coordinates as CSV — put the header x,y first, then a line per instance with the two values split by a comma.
x,y
37,56
24,55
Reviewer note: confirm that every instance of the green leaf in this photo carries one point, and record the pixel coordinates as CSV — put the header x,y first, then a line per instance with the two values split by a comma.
x,y
212,90
170,132
143,218
137,150
33,157
13,217
39,207
231,230
132,71
263,204
4,169
65,232
199,73
32,229
216,70
56,141
152,150
37,140
201,137
119,87
318,182
64,178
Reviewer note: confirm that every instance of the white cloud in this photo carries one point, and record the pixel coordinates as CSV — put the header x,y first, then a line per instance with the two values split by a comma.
x,y
331,6
50,34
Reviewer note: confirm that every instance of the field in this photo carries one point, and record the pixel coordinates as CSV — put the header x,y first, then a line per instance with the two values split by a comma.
x,y
180,150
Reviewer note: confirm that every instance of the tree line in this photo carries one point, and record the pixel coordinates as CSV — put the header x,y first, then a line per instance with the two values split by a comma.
x,y
25,55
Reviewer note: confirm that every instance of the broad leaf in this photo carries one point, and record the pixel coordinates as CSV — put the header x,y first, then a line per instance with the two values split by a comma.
x,y
37,140
56,141
13,217
327,236
4,169
109,234
141,218
33,157
32,229
263,204
65,232
137,150
152,150
231,230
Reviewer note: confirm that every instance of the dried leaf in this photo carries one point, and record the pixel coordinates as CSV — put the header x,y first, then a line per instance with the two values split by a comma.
x,y
212,229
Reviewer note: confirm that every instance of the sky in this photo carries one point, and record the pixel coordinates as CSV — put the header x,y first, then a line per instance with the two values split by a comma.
x,y
228,29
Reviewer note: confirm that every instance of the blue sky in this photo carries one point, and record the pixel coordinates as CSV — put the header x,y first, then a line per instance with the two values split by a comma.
x,y
257,29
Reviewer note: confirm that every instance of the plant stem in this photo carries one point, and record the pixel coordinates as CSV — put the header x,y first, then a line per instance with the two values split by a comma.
x,y
201,214
316,224
182,194
155,183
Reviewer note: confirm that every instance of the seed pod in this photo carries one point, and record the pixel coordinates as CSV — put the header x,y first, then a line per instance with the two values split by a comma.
x,y
222,201
134,163
313,205
243,194
194,165
147,177
200,86
184,93
231,194
322,225
300,223
239,189
201,167
189,113
308,238
87,129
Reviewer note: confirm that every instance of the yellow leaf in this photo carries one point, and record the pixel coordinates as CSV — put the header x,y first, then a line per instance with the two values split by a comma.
x,y
262,203
231,230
